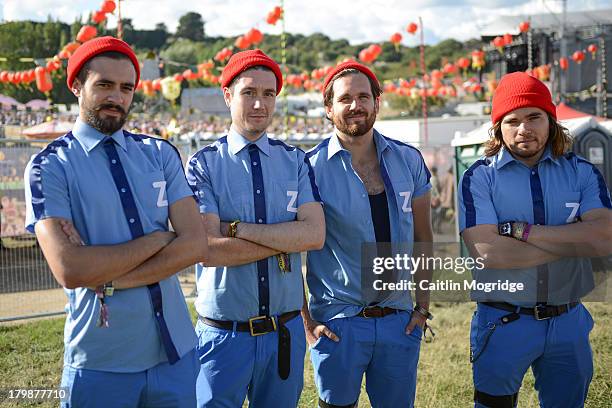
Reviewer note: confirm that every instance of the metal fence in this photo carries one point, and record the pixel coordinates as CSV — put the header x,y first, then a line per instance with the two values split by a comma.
x,y
27,287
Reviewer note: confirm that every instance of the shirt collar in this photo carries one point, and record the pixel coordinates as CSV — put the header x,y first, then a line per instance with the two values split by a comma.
x,y
504,157
335,146
236,142
381,143
90,137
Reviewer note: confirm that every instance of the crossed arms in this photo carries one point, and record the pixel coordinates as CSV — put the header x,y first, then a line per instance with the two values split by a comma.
x,y
142,261
259,241
590,238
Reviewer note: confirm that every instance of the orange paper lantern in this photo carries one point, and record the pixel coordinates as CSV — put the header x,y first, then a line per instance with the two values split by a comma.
x,y
412,28
43,80
108,6
86,33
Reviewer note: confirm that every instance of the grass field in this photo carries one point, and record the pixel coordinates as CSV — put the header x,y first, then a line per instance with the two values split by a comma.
x,y
31,356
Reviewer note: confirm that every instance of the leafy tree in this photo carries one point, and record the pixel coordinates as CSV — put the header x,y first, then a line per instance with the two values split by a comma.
x,y
161,27
182,51
191,26
28,39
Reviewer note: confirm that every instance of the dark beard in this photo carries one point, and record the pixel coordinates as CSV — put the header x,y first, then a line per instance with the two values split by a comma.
x,y
356,129
109,125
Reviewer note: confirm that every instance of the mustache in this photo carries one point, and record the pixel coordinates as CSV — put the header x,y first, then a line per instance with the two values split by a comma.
x,y
110,106
357,113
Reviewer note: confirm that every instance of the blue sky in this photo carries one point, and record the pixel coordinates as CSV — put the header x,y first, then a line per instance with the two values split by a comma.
x,y
355,20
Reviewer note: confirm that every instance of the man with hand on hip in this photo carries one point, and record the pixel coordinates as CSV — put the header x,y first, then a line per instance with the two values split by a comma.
x,y
375,190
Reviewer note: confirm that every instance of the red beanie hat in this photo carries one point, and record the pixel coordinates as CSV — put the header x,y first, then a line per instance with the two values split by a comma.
x,y
520,90
348,65
94,47
241,61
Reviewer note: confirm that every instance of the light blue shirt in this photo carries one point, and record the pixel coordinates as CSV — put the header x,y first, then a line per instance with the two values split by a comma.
x,y
222,176
334,272
554,192
71,179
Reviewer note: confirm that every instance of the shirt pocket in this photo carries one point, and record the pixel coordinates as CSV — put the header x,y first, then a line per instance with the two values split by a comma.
x,y
236,204
284,201
150,192
565,207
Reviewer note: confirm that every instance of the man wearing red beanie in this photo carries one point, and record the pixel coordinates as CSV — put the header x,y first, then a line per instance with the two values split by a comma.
x,y
261,208
376,195
100,200
534,213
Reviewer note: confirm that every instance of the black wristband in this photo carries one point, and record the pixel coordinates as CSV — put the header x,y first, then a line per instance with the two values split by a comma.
x,y
423,312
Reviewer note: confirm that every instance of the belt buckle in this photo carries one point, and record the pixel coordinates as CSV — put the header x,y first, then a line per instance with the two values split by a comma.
x,y
364,311
255,319
540,309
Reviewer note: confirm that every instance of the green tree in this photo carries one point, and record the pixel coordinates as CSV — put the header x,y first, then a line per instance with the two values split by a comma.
x,y
191,26
182,51
37,41
161,27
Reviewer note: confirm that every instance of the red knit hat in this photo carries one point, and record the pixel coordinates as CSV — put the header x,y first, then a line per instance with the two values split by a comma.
x,y
348,65
241,61
520,90
91,48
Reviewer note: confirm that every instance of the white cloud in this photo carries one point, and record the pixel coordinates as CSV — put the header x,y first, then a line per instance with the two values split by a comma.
x,y
355,20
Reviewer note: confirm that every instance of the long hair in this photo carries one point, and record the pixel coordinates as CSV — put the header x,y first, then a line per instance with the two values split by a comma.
x,y
558,138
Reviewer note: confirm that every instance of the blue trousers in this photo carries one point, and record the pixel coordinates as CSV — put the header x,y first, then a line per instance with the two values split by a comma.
x,y
235,365
557,350
162,386
376,347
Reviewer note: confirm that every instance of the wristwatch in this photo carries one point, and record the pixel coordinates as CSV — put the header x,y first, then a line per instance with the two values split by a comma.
x,y
505,229
233,228
514,229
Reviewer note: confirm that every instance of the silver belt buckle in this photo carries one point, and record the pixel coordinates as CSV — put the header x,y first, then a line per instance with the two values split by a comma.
x,y
537,310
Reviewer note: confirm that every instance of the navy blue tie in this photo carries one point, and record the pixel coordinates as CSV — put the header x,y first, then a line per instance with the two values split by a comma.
x,y
133,219
259,200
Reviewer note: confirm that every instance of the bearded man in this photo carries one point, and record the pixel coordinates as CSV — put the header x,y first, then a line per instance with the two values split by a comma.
x,y
375,190
100,200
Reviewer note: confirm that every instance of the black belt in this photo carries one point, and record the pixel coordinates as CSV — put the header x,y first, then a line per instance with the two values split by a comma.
x,y
260,325
256,325
540,312
376,311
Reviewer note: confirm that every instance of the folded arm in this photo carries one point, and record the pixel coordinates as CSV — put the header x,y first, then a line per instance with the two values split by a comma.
x,y
591,237
188,248
90,266
499,252
226,251
304,234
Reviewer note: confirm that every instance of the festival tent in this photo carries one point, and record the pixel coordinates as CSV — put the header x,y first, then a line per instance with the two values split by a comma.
x,y
6,102
564,112
48,130
38,104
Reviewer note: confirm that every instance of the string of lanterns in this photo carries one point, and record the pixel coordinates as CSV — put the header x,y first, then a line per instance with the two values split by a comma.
x,y
441,82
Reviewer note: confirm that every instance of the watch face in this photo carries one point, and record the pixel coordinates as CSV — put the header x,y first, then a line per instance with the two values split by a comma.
x,y
505,229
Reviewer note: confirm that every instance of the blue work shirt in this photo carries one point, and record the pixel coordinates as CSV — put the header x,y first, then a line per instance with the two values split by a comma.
x,y
71,179
334,272
222,178
554,192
